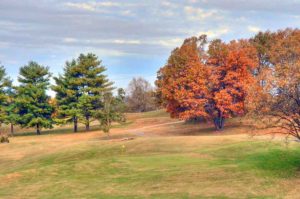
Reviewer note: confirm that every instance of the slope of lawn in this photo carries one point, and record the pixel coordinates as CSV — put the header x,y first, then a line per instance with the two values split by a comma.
x,y
86,165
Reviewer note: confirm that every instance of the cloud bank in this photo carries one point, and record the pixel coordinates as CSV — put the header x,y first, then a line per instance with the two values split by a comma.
x,y
125,33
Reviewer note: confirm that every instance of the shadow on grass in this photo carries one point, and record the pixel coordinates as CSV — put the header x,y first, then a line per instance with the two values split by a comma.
x,y
207,129
68,130
57,131
118,137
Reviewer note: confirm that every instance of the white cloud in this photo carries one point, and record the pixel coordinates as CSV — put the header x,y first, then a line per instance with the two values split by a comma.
x,y
171,43
92,5
108,4
169,4
127,13
253,29
215,33
99,51
120,41
69,40
198,13
82,6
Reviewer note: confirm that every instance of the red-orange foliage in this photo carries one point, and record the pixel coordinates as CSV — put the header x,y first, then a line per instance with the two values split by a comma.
x,y
210,85
232,67
183,82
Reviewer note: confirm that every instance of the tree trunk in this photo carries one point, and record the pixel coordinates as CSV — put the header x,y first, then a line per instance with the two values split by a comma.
x,y
219,122
222,121
87,125
38,131
216,124
11,128
75,124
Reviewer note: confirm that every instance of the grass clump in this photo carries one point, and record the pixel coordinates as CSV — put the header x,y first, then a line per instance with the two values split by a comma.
x,y
4,139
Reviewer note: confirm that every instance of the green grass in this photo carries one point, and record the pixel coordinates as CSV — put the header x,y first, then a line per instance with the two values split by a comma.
x,y
160,167
265,159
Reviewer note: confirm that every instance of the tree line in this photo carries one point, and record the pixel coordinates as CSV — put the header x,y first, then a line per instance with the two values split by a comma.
x,y
215,80
210,80
83,94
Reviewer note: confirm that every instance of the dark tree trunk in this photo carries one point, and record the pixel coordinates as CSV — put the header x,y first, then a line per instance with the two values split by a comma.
x,y
222,122
75,124
38,131
219,122
12,128
87,125
216,123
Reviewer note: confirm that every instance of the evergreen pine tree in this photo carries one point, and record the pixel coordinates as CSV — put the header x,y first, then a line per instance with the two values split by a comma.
x,y
11,108
32,101
92,84
67,97
80,90
5,85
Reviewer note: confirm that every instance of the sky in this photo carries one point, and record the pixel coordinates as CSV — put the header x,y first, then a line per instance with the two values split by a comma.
x,y
133,38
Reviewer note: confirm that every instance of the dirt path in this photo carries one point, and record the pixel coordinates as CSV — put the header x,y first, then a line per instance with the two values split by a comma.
x,y
153,126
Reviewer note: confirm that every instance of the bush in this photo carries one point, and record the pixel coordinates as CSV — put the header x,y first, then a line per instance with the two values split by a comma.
x,y
4,139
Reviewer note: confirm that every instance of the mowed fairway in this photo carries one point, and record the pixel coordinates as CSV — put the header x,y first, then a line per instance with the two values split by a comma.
x,y
165,160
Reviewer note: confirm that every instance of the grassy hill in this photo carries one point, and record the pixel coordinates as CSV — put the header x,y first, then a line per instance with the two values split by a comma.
x,y
167,159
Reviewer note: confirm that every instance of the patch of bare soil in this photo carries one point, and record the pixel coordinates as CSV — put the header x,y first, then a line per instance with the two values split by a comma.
x,y
10,177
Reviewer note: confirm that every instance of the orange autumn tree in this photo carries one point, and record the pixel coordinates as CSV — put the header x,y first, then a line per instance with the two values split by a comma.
x,y
182,82
279,107
285,104
232,66
211,85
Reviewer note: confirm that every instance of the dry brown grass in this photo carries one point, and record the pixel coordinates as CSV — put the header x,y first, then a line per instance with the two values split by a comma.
x,y
175,160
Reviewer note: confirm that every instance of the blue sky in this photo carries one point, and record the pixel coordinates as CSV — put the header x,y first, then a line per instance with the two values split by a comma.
x,y
131,37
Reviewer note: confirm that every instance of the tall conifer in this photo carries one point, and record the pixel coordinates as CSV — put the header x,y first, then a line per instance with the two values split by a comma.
x,y
80,90
32,101
5,85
